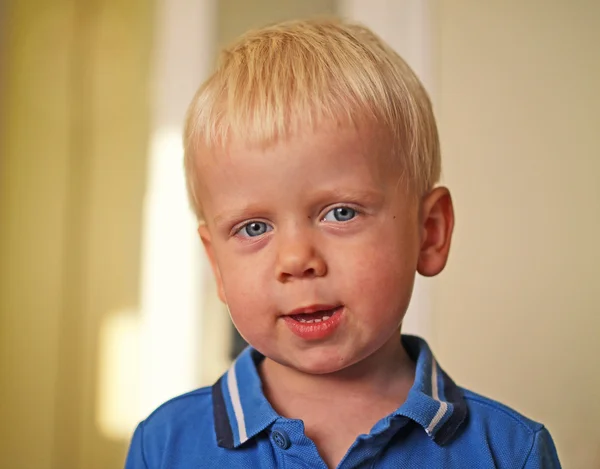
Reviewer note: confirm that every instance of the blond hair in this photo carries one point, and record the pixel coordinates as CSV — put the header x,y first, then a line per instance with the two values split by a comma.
x,y
281,79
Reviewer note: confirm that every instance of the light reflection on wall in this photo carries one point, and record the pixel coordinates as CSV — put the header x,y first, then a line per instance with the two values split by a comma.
x,y
171,282
119,377
149,356
153,354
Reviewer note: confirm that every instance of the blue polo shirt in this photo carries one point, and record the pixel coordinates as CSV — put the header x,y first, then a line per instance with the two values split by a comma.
x,y
440,425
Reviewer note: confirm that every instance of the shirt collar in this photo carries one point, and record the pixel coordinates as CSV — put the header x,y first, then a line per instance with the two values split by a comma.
x,y
241,410
434,401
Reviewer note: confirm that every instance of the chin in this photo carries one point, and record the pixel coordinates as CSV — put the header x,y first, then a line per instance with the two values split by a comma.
x,y
318,369
318,363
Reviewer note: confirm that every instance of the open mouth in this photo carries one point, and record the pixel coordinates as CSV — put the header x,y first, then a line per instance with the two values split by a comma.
x,y
316,322
315,317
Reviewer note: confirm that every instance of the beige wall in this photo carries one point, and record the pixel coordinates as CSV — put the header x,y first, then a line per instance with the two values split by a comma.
x,y
516,314
33,184
71,184
237,16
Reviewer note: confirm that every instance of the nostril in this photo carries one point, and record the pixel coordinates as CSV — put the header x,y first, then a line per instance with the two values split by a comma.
x,y
299,261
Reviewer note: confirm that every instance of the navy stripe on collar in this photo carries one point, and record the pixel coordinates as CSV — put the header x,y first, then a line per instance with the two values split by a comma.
x,y
241,410
459,412
222,426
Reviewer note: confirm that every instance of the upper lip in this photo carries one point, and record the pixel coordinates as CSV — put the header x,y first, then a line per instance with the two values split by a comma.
x,y
313,309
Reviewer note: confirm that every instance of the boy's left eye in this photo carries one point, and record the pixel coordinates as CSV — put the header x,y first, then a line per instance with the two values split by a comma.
x,y
340,214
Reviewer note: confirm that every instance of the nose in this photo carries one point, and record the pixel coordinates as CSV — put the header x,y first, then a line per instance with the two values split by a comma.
x,y
298,258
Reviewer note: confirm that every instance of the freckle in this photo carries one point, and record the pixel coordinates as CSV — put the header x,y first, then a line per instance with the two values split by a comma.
x,y
394,217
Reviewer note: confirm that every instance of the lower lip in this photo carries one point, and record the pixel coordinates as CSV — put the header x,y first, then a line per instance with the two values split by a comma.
x,y
315,330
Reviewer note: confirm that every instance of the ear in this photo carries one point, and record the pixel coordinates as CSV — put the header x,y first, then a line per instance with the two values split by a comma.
x,y
208,247
437,223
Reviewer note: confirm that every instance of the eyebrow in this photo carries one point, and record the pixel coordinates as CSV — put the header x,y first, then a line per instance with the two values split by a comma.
x,y
228,217
348,195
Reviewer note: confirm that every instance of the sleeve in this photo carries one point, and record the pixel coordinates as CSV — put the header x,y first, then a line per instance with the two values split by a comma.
x,y
135,456
543,453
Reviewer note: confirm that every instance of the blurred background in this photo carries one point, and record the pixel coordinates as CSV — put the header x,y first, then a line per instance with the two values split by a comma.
x,y
107,307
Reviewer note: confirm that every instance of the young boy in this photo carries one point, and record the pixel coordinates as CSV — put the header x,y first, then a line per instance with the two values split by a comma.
x,y
311,158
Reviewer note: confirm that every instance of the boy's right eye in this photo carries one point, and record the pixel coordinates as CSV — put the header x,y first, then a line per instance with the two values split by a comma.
x,y
253,229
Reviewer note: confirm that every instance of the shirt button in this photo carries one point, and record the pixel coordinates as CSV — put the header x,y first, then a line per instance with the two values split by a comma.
x,y
281,439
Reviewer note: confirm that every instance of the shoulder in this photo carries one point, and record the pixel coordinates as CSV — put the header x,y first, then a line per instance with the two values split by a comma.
x,y
180,423
494,427
193,405
483,409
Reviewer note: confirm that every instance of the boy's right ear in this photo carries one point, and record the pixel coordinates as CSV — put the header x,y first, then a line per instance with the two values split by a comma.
x,y
208,247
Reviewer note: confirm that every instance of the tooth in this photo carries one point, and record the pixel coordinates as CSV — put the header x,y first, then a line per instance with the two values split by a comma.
x,y
310,321
317,320
325,318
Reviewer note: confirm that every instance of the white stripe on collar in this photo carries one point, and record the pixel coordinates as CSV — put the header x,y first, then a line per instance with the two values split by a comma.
x,y
435,395
234,394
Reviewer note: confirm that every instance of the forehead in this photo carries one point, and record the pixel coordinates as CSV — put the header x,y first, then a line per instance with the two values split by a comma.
x,y
331,143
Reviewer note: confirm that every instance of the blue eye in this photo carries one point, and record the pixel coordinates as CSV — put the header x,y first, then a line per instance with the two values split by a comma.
x,y
253,229
340,214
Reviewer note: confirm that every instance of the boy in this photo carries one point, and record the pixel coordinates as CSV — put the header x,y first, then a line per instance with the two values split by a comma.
x,y
311,158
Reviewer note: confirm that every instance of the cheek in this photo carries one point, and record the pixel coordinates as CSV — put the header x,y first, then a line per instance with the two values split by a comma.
x,y
238,276
381,277
247,297
242,287
247,307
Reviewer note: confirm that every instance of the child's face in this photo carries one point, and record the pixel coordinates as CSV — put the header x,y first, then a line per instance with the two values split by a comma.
x,y
321,222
